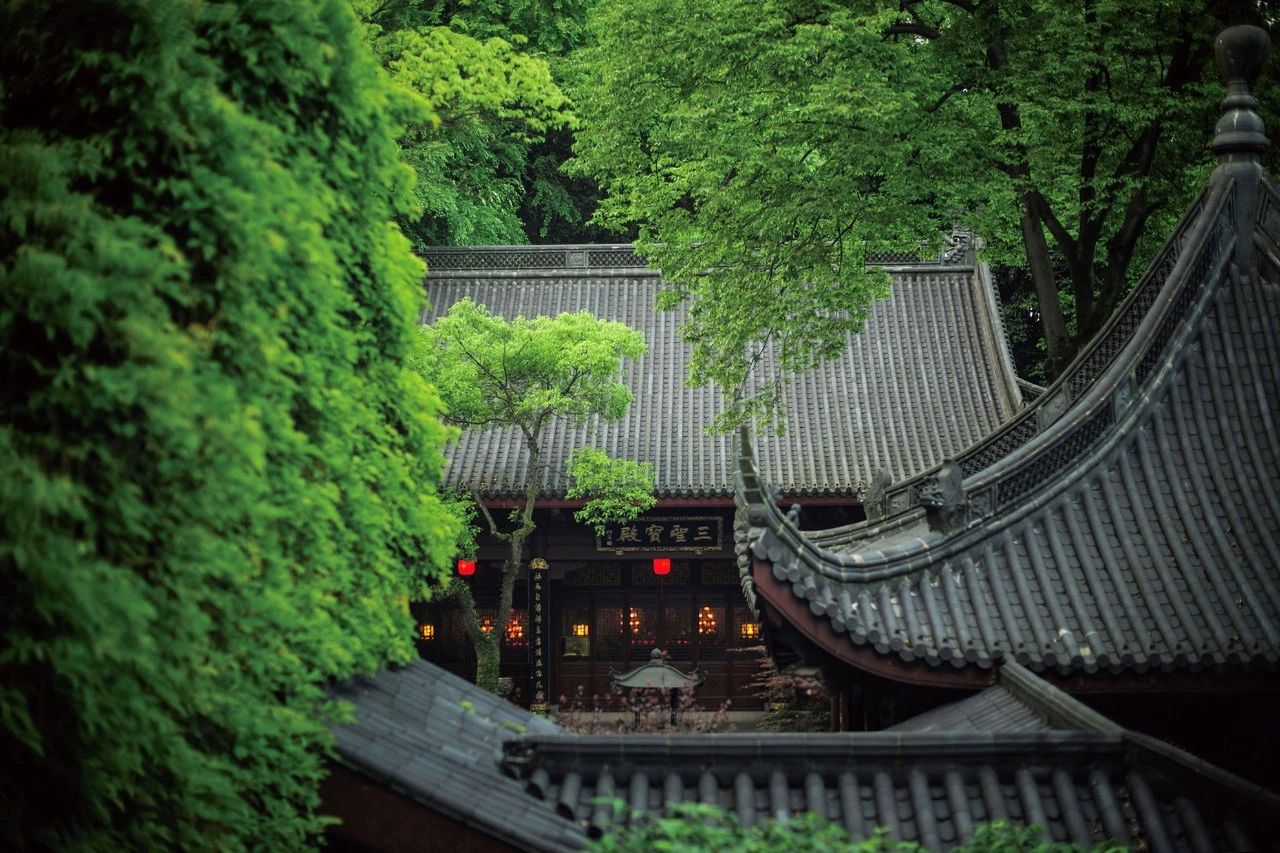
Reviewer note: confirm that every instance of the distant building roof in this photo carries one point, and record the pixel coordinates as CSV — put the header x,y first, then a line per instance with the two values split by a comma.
x,y
928,375
443,743
1128,519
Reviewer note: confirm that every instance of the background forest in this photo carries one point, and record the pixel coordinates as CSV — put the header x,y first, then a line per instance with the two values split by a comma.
x,y
218,468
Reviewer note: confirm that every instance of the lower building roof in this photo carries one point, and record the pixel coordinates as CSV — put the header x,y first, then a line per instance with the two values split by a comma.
x,y
450,746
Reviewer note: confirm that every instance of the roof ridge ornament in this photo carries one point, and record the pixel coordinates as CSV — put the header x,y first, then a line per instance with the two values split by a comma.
x,y
1242,52
1239,137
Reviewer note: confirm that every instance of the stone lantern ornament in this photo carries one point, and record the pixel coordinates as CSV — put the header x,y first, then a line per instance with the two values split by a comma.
x,y
657,674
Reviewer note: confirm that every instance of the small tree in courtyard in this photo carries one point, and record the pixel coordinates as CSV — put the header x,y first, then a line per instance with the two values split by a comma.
x,y
524,374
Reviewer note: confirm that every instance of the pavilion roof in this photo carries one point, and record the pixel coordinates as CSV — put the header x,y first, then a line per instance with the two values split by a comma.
x,y
928,375
1128,519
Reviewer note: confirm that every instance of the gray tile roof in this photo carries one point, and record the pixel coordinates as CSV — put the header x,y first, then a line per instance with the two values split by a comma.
x,y
437,739
928,376
1138,528
993,709
1019,702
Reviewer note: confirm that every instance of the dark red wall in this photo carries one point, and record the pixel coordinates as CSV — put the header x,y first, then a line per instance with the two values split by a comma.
x,y
375,818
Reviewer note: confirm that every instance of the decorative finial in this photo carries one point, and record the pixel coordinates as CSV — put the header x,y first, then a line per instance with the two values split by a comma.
x,y
1242,52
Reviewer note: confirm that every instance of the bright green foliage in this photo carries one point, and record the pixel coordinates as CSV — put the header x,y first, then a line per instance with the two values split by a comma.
x,y
483,71
764,148
698,827
756,172
216,476
523,374
616,490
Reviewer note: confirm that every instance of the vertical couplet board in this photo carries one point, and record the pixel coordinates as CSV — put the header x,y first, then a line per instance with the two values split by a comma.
x,y
540,636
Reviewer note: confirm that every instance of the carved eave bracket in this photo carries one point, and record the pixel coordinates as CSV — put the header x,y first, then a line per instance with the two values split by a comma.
x,y
945,502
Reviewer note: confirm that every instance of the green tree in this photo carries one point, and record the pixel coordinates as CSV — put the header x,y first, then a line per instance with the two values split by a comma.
x,y
523,374
216,474
486,155
764,149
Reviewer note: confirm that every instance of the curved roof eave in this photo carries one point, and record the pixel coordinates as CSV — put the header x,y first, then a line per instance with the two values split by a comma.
x,y
1139,530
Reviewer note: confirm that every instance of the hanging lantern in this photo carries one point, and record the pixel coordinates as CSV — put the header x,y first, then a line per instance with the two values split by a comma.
x,y
706,621
749,631
427,631
466,568
662,565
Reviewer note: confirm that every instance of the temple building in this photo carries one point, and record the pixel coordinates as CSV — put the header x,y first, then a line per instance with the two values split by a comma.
x,y
1069,617
928,376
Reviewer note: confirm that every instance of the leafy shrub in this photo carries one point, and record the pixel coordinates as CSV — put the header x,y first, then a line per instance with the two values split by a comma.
x,y
702,827
215,473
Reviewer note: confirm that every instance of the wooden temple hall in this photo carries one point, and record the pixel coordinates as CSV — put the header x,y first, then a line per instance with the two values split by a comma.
x,y
1020,602
927,377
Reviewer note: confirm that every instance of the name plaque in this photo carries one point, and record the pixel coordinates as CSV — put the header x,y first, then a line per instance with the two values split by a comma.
x,y
686,533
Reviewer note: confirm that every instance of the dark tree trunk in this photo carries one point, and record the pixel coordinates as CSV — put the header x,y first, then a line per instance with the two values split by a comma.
x,y
485,645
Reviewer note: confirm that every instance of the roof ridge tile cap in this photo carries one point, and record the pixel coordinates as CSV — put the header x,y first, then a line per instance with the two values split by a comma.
x,y
1056,705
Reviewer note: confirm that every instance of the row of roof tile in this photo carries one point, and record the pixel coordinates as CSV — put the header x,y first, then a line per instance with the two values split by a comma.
x,y
927,376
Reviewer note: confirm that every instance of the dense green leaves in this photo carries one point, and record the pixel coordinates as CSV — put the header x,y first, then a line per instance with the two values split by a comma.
x,y
764,148
616,490
521,373
484,72
756,147
215,473
701,827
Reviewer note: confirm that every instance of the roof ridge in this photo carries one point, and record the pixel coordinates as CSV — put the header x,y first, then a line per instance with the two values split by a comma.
x,y
1049,460
1056,705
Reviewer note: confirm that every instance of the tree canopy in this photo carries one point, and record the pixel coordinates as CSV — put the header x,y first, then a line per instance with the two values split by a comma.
x,y
488,149
524,374
216,474
764,149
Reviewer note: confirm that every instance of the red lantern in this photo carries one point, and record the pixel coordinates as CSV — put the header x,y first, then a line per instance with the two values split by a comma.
x,y
466,568
662,565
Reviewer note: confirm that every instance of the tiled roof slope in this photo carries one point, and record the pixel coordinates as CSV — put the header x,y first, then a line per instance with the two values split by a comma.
x,y
1140,529
1019,702
927,376
442,741
436,738
1078,775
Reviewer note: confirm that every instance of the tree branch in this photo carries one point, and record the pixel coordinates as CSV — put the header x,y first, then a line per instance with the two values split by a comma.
x,y
912,28
1051,221
488,517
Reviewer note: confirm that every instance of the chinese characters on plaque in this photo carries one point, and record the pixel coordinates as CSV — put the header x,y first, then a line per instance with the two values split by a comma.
x,y
688,533
540,645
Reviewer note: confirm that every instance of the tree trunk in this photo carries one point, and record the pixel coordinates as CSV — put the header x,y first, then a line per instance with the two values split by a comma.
x,y
1055,324
515,555
484,644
